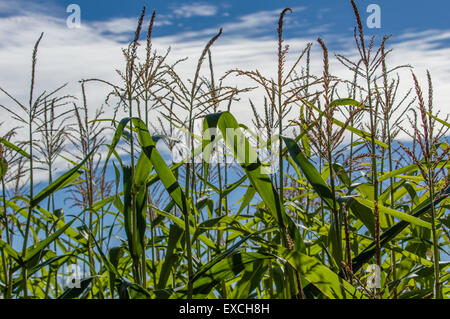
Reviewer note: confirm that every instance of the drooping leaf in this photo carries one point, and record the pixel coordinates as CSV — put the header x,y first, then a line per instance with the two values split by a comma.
x,y
14,147
61,182
175,235
395,213
75,292
37,248
328,282
248,159
393,231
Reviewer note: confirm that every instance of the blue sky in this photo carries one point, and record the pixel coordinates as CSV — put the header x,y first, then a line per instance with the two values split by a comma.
x,y
397,16
177,16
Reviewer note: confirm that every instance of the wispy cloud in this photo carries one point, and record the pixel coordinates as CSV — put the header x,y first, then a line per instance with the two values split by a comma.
x,y
18,7
196,9
260,23
116,26
119,26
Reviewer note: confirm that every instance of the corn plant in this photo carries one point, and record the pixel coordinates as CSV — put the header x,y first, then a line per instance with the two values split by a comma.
x,y
347,195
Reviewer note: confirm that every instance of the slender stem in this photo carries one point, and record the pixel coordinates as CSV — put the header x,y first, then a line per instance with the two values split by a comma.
x,y
186,213
337,225
30,209
8,281
31,113
5,273
374,166
436,287
392,182
47,287
5,213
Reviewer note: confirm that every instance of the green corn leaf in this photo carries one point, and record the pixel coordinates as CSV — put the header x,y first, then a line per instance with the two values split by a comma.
x,y
395,213
75,292
439,120
11,252
180,223
3,168
114,256
347,101
227,268
403,170
59,183
37,248
360,133
395,230
322,189
14,147
48,217
175,234
143,169
310,172
116,139
165,174
311,269
130,218
248,159
363,213
246,199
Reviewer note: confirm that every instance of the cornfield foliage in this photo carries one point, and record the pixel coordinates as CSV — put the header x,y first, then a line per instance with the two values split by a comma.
x,y
349,212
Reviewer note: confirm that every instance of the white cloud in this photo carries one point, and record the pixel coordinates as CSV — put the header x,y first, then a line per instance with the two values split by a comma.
x,y
195,9
258,23
116,26
322,12
119,26
262,20
24,7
